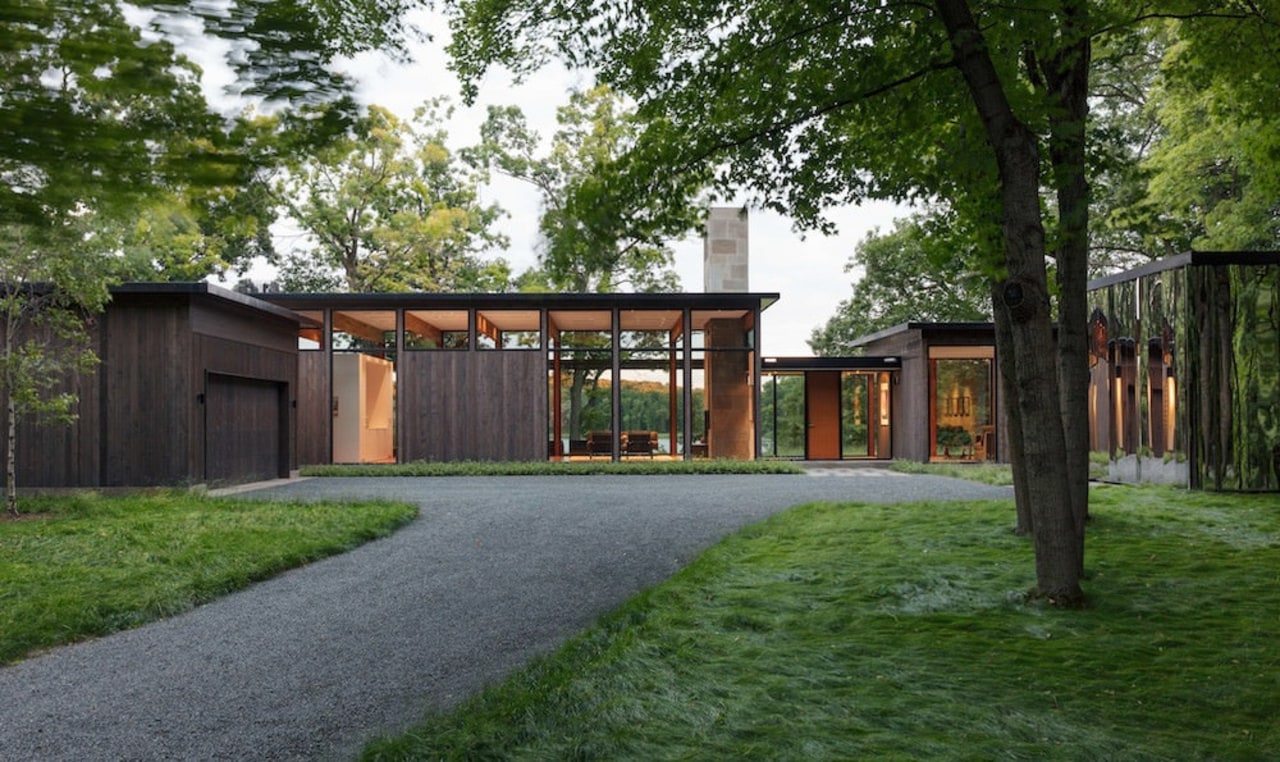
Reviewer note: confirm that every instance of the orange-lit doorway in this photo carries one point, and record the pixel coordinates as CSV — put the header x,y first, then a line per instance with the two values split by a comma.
x,y
822,414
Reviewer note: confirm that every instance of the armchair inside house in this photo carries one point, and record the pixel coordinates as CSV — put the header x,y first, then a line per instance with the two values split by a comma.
x,y
640,442
600,443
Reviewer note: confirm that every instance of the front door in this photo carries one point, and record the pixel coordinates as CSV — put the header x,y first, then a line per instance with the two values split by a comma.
x,y
822,412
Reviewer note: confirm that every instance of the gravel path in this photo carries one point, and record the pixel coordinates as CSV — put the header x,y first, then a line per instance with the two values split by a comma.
x,y
315,662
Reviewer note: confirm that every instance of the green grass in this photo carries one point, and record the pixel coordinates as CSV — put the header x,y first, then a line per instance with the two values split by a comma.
x,y
637,466
846,631
999,474
92,565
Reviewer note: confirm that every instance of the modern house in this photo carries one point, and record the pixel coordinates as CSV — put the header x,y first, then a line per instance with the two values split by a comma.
x,y
199,385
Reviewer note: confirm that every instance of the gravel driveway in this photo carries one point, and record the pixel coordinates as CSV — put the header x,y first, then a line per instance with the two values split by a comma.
x,y
315,662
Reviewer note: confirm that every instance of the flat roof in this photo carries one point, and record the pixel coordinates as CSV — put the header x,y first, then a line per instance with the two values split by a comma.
x,y
1194,259
209,290
419,300
866,362
952,327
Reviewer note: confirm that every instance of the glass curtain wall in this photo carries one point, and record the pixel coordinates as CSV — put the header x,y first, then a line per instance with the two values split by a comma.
x,y
962,420
651,395
782,415
1191,361
581,383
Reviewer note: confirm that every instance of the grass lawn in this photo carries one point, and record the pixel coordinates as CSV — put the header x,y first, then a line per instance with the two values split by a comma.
x,y
636,467
846,631
89,565
999,474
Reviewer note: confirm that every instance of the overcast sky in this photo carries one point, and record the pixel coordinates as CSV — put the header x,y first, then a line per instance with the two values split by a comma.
x,y
808,274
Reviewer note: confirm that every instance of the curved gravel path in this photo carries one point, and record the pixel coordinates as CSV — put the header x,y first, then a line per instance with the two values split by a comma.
x,y
315,662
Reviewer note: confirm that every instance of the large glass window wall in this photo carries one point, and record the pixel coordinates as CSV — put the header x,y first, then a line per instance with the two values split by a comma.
x,y
962,414
621,383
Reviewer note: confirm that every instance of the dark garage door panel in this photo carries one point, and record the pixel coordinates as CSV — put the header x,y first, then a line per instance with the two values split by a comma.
x,y
244,435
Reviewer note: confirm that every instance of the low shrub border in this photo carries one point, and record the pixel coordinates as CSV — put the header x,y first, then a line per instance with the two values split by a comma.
x,y
552,468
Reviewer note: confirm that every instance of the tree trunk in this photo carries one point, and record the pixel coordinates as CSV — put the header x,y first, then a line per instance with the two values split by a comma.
x,y
11,457
1067,75
575,402
1024,298
1012,446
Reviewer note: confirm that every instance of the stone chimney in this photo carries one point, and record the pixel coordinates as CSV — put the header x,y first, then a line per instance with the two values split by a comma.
x,y
724,253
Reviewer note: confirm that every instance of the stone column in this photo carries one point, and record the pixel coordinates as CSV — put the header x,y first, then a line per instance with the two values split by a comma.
x,y
729,388
724,253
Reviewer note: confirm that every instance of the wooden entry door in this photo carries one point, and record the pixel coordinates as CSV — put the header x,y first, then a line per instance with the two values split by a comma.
x,y
822,414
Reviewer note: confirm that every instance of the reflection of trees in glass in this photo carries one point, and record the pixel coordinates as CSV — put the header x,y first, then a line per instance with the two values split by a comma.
x,y
782,414
854,413
962,400
1255,419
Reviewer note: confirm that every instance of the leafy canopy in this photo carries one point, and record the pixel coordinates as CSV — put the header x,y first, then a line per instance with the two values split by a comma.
x,y
595,235
916,272
389,207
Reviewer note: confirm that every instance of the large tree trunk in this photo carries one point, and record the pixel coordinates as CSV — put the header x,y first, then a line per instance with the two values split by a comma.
x,y
1024,300
1012,446
1067,75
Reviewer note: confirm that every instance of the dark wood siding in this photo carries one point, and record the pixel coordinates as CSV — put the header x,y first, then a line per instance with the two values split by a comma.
x,y
243,326
149,393
473,405
314,413
214,355
246,430
59,454
910,395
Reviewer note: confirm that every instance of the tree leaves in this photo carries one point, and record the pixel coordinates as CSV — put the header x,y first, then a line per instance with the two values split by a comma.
x,y
390,208
604,226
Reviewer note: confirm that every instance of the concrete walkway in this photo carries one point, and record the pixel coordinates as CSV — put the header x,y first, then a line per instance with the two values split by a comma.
x,y
315,662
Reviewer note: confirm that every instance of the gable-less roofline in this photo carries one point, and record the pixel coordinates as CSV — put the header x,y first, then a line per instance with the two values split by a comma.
x,y
1193,258
417,300
217,293
831,363
949,327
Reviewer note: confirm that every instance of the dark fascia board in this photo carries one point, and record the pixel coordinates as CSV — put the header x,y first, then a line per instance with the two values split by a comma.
x,y
1194,259
924,328
830,363
201,289
552,301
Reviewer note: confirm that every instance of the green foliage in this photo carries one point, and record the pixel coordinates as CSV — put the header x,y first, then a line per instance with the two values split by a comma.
x,y
50,289
595,237
850,631
782,416
998,474
920,271
85,566
640,466
1215,172
112,163
388,207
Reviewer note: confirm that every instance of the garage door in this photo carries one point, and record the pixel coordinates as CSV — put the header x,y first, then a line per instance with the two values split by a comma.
x,y
245,429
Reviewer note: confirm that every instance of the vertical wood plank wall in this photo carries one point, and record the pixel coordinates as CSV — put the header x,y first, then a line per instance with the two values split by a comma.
x,y
314,411
213,356
479,405
56,453
149,393
142,421
244,430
